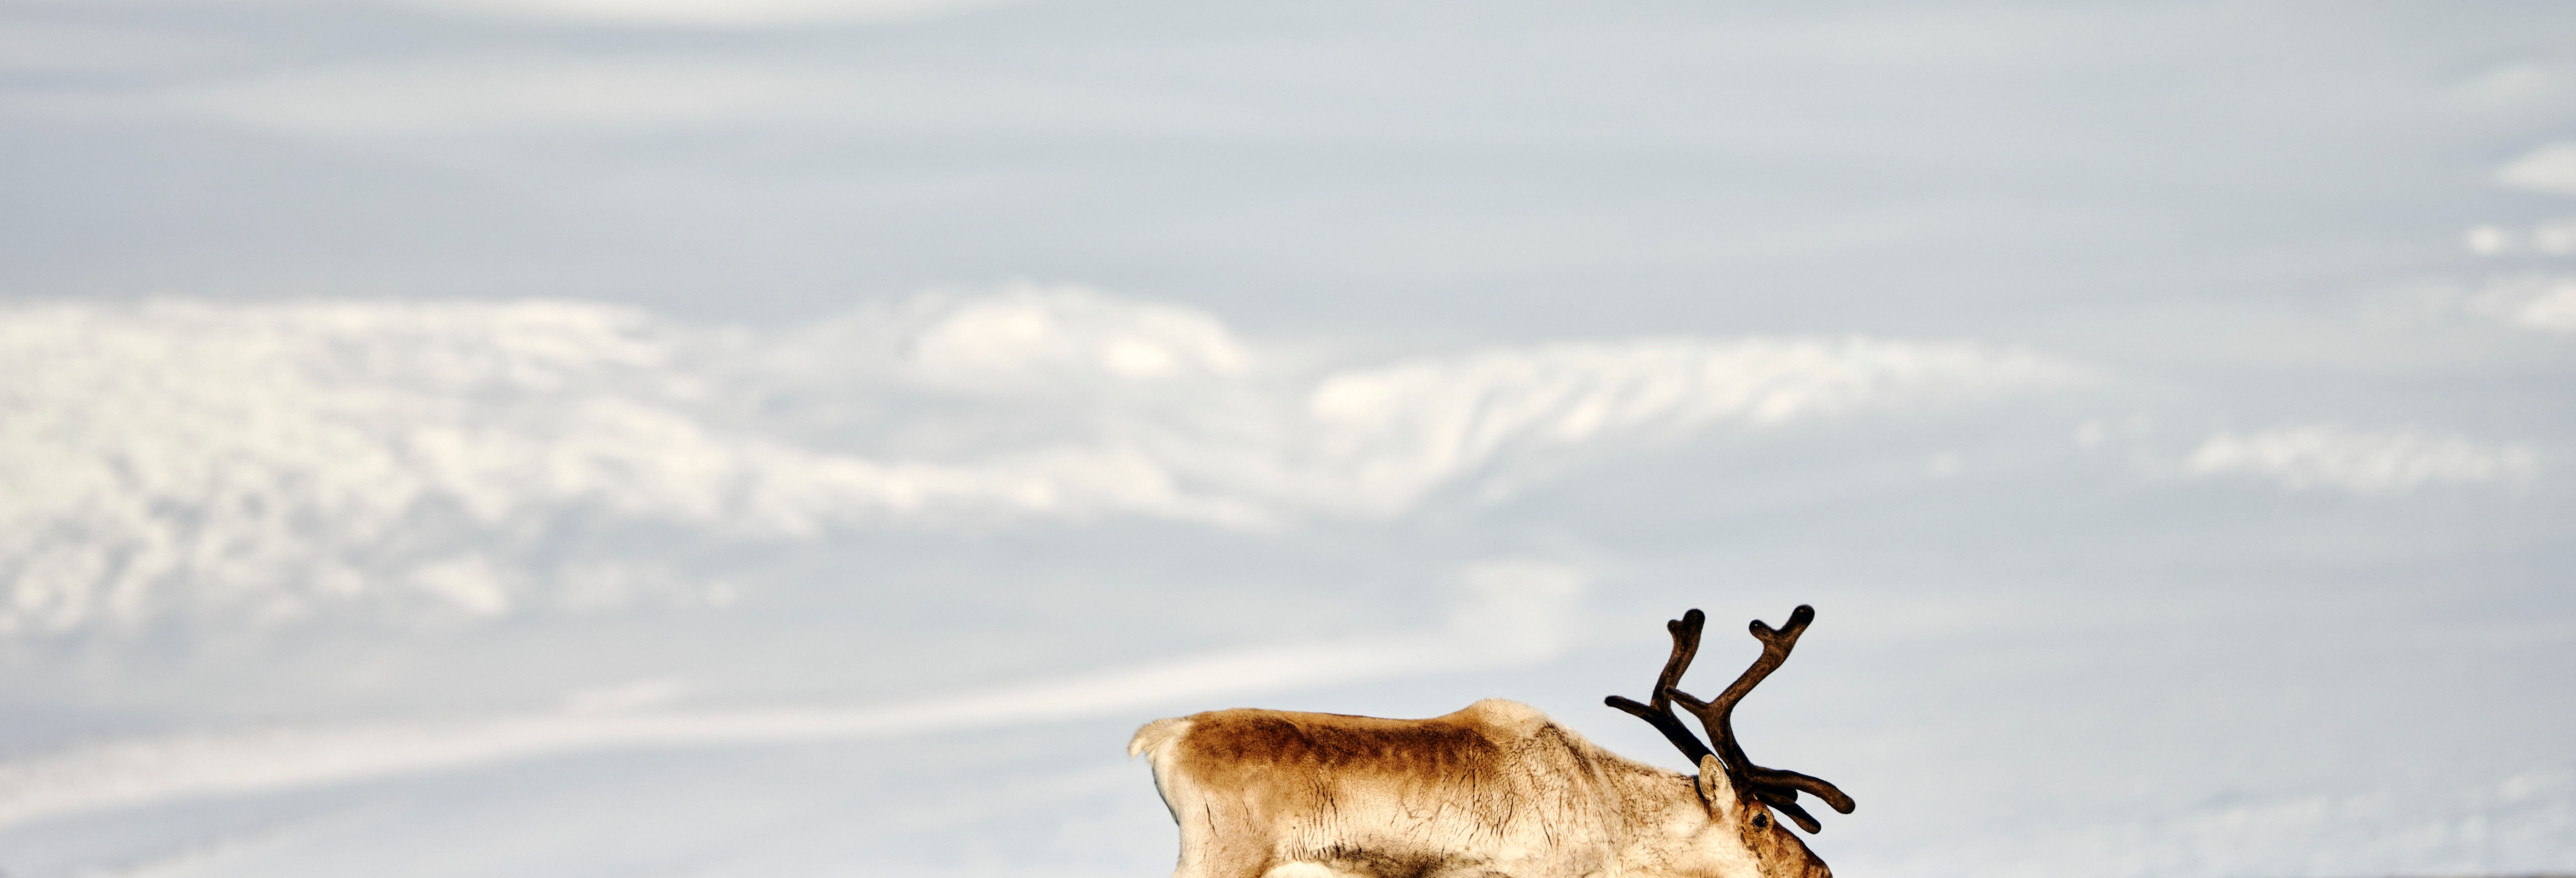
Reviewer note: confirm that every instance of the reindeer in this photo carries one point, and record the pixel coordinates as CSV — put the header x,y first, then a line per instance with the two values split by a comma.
x,y
1496,789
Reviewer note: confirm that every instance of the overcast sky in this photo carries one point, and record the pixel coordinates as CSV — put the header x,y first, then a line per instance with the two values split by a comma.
x,y
781,437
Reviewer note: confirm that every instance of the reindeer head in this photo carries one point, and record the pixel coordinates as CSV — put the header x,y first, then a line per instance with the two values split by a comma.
x,y
1741,797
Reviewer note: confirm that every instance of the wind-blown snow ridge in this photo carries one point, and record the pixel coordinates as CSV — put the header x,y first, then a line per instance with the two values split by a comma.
x,y
250,464
259,461
2362,462
706,13
145,771
1509,612
2550,168
1408,427
2542,302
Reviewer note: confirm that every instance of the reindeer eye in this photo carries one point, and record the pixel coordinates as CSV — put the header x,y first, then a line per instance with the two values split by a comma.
x,y
1761,821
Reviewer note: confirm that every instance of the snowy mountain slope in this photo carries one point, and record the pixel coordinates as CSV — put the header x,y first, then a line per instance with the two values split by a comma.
x,y
556,437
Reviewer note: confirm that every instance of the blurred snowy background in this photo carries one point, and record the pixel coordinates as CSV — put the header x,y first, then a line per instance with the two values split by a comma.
x,y
805,437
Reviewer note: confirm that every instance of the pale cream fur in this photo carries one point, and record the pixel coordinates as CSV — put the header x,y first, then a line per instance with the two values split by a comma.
x,y
1496,789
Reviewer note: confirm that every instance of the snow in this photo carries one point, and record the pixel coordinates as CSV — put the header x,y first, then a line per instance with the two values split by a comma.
x,y
269,463
245,481
550,438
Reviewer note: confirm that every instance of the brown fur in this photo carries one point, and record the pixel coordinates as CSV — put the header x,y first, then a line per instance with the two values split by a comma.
x,y
1494,789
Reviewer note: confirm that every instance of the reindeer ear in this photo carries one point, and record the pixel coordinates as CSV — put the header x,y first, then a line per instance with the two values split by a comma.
x,y
1715,788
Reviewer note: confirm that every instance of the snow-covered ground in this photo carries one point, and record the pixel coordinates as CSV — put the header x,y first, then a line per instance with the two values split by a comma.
x,y
559,438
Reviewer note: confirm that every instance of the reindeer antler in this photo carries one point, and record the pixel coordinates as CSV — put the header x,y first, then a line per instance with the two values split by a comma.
x,y
1775,787
1685,632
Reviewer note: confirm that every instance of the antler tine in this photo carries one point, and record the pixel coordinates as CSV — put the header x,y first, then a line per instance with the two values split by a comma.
x,y
1718,718
1685,631
1786,801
